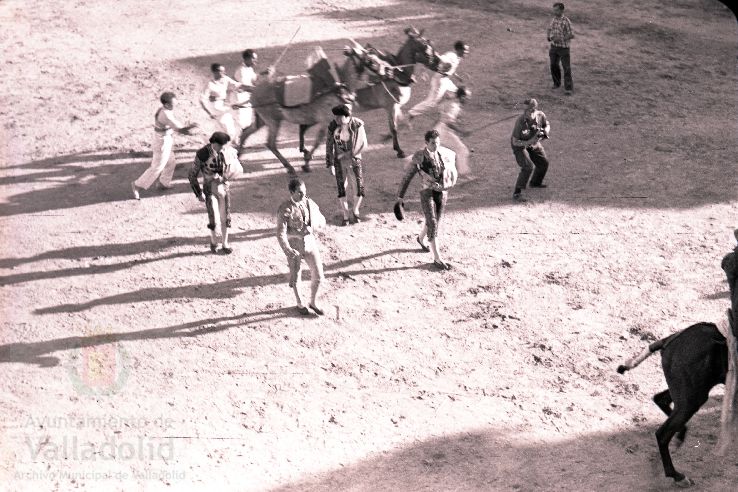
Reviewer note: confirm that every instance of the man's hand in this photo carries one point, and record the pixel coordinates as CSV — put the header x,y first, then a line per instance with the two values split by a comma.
x,y
293,254
187,130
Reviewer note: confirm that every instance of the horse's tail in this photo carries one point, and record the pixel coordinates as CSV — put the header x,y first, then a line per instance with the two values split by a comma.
x,y
645,354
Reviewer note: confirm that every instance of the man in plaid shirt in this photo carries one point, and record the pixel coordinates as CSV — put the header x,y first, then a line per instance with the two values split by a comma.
x,y
559,34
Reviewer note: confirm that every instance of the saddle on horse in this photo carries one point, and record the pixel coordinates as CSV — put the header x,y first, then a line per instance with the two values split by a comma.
x,y
380,65
295,90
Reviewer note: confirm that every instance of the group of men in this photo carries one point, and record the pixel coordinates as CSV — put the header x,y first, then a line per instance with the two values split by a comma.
x,y
299,216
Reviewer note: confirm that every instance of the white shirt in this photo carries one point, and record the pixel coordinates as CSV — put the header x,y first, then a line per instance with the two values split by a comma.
x,y
246,76
165,122
217,90
449,58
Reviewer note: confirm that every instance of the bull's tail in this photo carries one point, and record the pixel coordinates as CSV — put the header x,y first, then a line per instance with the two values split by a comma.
x,y
647,352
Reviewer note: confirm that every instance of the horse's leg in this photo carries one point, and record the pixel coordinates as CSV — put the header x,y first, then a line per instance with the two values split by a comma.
x,y
306,155
393,116
272,145
303,129
255,125
320,137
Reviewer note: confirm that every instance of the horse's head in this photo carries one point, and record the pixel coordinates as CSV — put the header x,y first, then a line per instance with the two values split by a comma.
x,y
417,49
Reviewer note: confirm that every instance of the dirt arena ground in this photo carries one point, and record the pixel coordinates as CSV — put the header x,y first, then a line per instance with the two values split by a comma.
x,y
133,359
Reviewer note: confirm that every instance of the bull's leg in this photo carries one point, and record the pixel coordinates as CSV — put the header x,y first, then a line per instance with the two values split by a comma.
x,y
256,124
272,145
678,418
393,116
663,400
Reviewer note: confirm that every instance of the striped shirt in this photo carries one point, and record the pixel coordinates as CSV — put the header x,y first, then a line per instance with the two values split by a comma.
x,y
559,32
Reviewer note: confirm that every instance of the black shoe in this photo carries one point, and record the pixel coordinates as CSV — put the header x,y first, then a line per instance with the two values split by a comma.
x,y
226,250
303,310
344,222
540,185
213,248
519,198
306,168
317,310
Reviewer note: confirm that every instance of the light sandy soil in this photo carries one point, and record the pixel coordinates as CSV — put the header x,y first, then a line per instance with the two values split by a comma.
x,y
133,359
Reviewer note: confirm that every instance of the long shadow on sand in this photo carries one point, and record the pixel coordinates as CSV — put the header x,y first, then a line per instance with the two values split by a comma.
x,y
92,253
229,288
37,352
497,460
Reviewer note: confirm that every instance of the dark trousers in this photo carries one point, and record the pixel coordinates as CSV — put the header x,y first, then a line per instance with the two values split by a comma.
x,y
432,202
560,55
342,167
532,160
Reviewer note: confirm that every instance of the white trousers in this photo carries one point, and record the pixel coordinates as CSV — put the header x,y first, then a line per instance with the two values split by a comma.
x,y
450,139
245,117
162,162
438,86
223,121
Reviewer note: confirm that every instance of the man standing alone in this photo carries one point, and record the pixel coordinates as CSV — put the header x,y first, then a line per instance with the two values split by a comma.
x,y
559,34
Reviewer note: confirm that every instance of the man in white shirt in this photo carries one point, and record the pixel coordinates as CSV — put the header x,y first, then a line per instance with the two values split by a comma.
x,y
162,160
441,81
450,131
214,97
246,76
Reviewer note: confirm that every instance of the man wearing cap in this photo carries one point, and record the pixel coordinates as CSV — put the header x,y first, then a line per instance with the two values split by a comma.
x,y
162,160
441,81
214,96
559,34
297,219
344,144
530,128
436,166
212,162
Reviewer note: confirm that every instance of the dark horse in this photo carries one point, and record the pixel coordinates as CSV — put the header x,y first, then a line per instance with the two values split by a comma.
x,y
270,112
389,84
389,92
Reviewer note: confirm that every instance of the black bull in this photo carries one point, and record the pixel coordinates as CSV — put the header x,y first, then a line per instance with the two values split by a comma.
x,y
694,361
